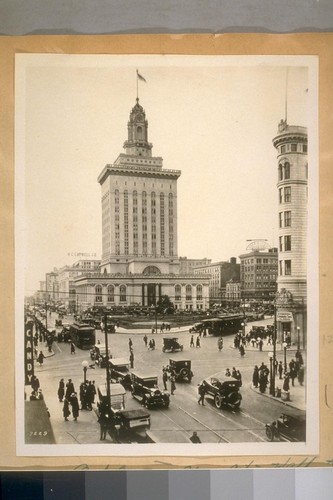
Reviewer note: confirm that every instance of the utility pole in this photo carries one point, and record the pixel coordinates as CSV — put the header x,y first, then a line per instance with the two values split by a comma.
x,y
108,392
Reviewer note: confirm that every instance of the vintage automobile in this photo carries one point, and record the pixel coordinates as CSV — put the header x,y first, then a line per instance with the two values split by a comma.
x,y
287,428
98,354
181,368
123,421
145,389
119,372
225,391
64,335
171,344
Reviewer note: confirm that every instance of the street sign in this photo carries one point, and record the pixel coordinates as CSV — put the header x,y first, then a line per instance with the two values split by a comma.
x,y
284,316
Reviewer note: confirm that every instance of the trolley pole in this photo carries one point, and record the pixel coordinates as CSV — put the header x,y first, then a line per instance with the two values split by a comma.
x,y
108,392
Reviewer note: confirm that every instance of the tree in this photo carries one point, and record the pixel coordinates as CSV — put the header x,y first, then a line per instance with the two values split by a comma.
x,y
165,306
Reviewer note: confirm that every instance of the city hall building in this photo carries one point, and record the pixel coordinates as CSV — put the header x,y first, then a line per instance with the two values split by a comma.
x,y
140,260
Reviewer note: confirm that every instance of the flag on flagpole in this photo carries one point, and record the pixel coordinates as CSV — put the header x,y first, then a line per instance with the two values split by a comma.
x,y
140,77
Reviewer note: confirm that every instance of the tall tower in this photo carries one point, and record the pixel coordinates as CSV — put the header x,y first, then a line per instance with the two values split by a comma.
x,y
291,145
139,207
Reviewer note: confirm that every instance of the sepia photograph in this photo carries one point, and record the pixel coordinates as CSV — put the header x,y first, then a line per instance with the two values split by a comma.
x,y
166,255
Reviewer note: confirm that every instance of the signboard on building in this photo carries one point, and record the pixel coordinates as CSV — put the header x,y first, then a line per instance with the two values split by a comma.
x,y
28,352
284,316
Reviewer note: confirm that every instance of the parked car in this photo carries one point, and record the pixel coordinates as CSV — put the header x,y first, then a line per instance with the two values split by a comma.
x,y
119,372
181,369
145,389
98,354
171,344
123,421
225,391
287,427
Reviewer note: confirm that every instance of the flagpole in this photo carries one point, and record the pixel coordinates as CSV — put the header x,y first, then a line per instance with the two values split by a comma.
x,y
137,86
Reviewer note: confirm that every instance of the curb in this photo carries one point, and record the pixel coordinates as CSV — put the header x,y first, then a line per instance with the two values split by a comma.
x,y
279,400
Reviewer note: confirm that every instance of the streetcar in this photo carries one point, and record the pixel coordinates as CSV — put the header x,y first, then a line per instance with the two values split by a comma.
x,y
222,325
82,335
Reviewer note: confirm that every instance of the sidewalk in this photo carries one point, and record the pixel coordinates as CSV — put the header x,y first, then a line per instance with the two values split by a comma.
x,y
297,394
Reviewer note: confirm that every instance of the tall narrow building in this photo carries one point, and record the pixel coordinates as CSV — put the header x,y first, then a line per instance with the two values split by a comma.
x,y
139,206
291,144
140,261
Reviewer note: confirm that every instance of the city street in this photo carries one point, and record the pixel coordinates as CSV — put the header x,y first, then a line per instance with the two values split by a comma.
x,y
184,415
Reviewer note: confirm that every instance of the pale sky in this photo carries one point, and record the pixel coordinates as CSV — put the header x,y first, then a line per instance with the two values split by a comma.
x,y
213,118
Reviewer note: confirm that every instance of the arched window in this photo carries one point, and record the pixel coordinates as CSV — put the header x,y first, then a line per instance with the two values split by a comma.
x,y
188,292
122,293
110,293
139,132
287,170
178,292
199,292
98,293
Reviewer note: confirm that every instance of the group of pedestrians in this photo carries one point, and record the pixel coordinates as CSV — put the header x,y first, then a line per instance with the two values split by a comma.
x,y
197,341
87,394
69,397
169,374
260,377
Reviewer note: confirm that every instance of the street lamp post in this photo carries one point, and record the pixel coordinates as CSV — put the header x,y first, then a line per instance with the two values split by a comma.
x,y
298,339
271,375
284,345
107,367
85,365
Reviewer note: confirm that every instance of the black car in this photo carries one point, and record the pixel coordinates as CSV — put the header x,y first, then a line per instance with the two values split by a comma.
x,y
181,368
171,345
98,354
145,389
287,428
225,391
119,372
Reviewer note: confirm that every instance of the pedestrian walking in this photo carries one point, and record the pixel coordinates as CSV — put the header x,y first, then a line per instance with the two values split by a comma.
x,y
301,375
66,411
104,421
69,389
75,406
130,344
241,350
286,386
195,438
131,358
72,348
165,379
173,384
255,377
198,341
145,339
263,381
40,358
61,390
238,376
220,344
35,383
280,370
234,372
201,392
227,373
192,341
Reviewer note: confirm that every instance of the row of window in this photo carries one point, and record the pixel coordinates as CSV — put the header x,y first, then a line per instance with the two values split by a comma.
x,y
122,293
293,148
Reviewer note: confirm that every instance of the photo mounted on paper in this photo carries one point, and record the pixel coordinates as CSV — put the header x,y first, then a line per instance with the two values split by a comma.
x,y
167,255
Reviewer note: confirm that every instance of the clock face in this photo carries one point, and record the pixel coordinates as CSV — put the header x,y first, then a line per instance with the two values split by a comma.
x,y
139,117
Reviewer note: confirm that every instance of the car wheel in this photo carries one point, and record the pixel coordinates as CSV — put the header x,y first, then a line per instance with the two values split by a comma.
x,y
183,373
269,433
218,401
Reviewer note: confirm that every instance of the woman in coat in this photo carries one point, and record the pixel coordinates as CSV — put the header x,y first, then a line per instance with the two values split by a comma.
x,y
255,377
66,412
75,406
61,390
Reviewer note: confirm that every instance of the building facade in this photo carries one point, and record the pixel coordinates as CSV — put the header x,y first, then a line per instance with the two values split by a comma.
x,y
233,291
140,260
66,277
188,265
219,273
258,274
291,144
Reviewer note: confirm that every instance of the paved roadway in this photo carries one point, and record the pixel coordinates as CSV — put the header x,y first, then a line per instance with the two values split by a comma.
x,y
184,415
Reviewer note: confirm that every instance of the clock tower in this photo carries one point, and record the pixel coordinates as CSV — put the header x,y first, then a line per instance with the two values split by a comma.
x,y
137,143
